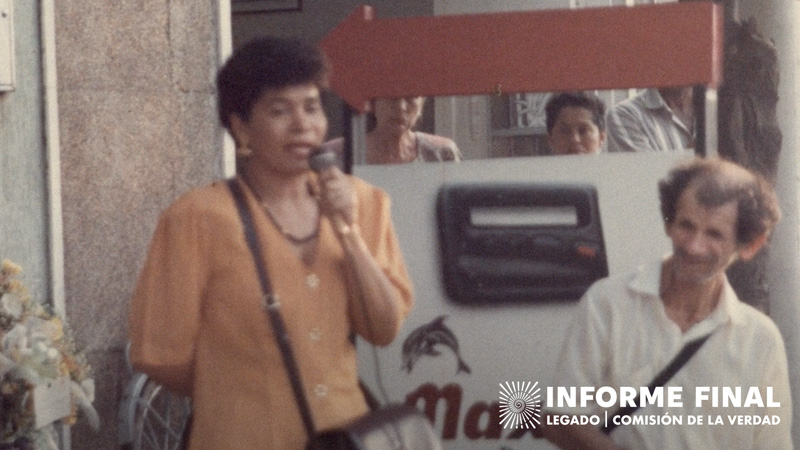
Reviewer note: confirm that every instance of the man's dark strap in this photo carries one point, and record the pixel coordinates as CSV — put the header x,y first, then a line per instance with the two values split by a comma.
x,y
271,306
672,368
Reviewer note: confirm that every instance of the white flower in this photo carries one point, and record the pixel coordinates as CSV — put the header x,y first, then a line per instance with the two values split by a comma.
x,y
31,351
6,365
15,340
11,305
42,330
9,268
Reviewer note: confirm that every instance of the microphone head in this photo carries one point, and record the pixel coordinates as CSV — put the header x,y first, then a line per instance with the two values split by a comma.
x,y
321,159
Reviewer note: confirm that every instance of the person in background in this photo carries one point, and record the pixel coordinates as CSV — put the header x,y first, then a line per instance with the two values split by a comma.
x,y
575,123
391,138
197,323
655,120
628,327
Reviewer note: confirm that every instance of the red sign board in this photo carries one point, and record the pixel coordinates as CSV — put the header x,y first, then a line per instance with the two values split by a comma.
x,y
674,44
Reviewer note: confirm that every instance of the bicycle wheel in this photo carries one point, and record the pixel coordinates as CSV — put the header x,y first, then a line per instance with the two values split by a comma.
x,y
160,418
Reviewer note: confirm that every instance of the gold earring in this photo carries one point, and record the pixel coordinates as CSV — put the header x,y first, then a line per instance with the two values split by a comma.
x,y
243,151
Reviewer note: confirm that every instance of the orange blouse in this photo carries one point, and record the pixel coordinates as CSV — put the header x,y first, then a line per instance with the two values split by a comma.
x,y
197,325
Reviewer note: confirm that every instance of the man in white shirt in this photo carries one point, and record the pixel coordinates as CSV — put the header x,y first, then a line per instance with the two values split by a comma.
x,y
658,120
629,327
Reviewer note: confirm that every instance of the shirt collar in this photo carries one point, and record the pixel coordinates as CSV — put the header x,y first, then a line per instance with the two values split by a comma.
x,y
653,100
647,281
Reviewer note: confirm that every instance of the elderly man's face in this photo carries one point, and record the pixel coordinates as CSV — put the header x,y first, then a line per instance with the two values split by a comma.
x,y
703,238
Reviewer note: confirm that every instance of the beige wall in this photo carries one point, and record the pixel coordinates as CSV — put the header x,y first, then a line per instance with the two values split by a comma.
x,y
23,185
138,127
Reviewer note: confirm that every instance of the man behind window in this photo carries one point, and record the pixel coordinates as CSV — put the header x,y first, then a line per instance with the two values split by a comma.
x,y
656,120
575,123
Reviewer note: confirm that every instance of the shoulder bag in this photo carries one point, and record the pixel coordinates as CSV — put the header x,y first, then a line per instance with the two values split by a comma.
x,y
686,353
396,426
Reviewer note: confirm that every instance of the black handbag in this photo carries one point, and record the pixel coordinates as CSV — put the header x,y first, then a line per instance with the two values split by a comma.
x,y
395,426
392,427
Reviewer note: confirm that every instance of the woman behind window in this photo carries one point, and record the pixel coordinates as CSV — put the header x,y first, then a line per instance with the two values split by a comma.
x,y
391,138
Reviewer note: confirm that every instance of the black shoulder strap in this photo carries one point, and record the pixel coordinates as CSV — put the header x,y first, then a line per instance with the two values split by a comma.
x,y
671,369
271,305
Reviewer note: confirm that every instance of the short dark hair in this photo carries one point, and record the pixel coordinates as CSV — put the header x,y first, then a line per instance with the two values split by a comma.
x,y
266,63
718,182
579,99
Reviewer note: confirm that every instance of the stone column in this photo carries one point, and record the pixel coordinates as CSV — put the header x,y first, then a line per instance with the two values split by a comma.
x,y
138,127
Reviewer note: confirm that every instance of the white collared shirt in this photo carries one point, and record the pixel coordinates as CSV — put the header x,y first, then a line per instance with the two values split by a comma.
x,y
645,123
621,336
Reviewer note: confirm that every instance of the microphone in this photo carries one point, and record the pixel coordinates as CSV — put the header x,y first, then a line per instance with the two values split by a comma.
x,y
320,160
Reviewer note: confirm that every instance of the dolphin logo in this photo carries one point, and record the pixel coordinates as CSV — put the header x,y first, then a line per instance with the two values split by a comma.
x,y
424,340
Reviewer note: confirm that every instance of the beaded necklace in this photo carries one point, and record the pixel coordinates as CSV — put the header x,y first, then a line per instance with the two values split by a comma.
x,y
290,237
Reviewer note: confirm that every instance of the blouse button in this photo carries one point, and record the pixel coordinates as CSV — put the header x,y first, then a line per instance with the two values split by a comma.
x,y
321,390
312,281
315,334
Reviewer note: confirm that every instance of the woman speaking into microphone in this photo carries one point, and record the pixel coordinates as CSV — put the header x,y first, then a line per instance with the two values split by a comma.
x,y
197,324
